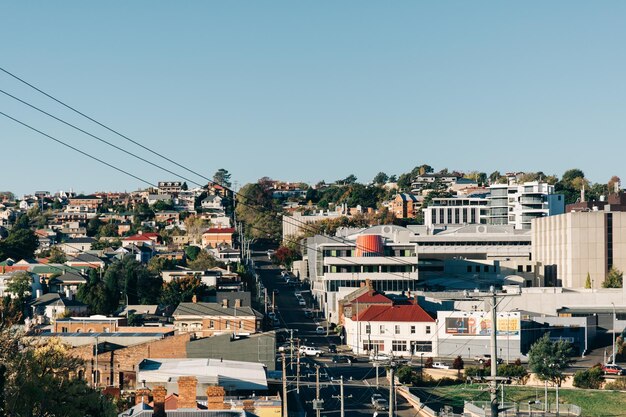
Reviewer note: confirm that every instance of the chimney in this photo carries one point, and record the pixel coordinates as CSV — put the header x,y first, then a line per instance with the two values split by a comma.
x,y
224,302
238,303
142,395
187,392
158,394
215,398
194,299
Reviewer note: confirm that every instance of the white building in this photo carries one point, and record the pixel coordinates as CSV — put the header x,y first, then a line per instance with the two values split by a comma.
x,y
519,204
401,330
442,212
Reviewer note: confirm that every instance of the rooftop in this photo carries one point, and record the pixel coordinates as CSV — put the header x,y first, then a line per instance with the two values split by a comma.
x,y
397,313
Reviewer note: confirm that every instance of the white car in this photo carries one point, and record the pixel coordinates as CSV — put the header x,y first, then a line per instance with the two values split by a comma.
x,y
440,365
301,302
320,330
379,357
310,351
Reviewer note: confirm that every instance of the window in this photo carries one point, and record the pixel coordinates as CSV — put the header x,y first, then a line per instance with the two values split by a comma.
x,y
427,329
211,324
486,268
397,329
469,268
374,345
381,329
368,329
412,329
477,268
241,324
64,330
529,268
520,268
398,345
423,346
228,324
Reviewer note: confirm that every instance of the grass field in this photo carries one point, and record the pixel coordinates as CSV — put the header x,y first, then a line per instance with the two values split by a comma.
x,y
594,403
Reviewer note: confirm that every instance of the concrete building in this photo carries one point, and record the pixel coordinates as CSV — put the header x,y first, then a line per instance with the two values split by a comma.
x,y
259,347
442,212
573,245
294,225
519,204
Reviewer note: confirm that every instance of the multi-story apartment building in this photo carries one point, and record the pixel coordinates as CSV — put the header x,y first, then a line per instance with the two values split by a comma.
x,y
208,319
169,187
443,212
519,204
405,206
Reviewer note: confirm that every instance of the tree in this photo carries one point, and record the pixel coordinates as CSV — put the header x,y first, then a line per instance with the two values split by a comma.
x,y
588,281
20,285
613,279
21,242
458,364
182,290
259,212
204,260
613,185
93,226
350,179
191,252
57,256
548,359
93,293
494,177
404,181
381,178
195,227
284,256
222,177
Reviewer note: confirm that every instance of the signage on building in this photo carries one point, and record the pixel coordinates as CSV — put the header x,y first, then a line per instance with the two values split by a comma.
x,y
480,324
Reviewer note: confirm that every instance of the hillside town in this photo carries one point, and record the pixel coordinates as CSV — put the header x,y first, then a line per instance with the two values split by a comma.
x,y
292,299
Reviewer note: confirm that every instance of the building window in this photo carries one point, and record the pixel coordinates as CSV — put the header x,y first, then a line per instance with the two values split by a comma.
x,y
381,329
469,268
228,324
368,329
397,329
529,268
412,329
486,268
398,345
427,329
64,330
241,324
520,268
211,324
423,346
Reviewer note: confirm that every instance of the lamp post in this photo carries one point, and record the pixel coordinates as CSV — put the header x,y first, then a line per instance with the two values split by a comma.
x,y
422,366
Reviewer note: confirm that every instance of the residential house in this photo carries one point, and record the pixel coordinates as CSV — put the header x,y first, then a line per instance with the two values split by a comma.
x,y
152,199
212,202
77,245
208,319
141,239
216,236
86,260
7,217
90,202
208,278
402,330
167,216
74,230
226,254
66,283
91,324
53,305
170,187
6,278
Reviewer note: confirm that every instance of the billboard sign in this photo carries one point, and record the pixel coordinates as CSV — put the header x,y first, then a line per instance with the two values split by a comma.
x,y
480,324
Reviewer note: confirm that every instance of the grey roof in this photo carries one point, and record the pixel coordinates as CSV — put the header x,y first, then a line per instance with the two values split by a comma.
x,y
69,277
80,240
186,413
213,309
86,257
56,299
211,198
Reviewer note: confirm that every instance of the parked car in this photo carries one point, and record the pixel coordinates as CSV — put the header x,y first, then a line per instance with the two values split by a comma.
x,y
380,403
320,330
344,359
485,358
270,252
440,365
308,314
377,396
301,302
310,351
379,357
611,369
286,347
332,348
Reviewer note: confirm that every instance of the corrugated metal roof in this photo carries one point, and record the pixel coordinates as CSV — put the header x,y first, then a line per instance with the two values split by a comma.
x,y
403,313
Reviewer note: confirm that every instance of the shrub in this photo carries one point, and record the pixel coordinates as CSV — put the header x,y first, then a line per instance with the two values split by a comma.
x,y
429,363
475,371
513,371
589,378
405,375
618,384
458,363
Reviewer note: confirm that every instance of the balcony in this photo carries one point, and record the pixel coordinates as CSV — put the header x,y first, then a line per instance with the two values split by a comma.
x,y
370,260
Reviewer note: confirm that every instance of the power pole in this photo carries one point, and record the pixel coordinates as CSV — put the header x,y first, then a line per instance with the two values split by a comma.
x,y
341,398
318,409
391,390
493,391
285,409
298,370
291,349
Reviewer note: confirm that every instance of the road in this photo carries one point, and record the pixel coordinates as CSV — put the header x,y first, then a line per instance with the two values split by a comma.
x,y
359,378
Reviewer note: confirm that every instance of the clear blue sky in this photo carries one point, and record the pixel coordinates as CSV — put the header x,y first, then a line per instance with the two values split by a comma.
x,y
316,90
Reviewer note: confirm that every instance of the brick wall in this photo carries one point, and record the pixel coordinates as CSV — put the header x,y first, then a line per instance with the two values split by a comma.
x,y
187,392
119,367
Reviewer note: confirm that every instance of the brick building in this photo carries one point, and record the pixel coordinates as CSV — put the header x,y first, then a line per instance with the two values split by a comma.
x,y
216,236
208,319
405,206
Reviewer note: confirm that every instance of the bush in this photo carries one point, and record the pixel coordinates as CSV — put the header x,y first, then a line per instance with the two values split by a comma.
x,y
458,363
513,371
589,378
475,371
618,384
405,375
429,363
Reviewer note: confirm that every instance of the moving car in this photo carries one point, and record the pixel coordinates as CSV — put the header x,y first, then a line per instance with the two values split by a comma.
x,y
310,351
344,359
485,358
379,357
611,369
440,365
379,402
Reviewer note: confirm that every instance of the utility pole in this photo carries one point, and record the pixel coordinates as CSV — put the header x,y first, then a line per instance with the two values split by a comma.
x,y
341,398
493,391
291,350
298,369
392,388
318,405
285,409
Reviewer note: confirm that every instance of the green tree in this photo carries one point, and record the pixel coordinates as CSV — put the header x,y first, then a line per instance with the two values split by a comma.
x,y
182,290
204,260
95,295
20,285
404,181
350,179
222,177
588,281
494,177
57,256
20,244
93,226
548,359
381,178
191,252
259,212
613,279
